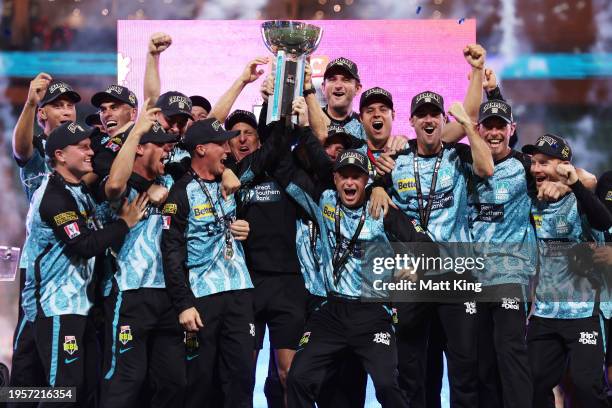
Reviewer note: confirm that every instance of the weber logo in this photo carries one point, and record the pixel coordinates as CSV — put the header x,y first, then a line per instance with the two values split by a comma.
x,y
588,338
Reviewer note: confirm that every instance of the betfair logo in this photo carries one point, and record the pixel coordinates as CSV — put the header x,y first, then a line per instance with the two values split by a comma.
x,y
408,184
202,210
329,212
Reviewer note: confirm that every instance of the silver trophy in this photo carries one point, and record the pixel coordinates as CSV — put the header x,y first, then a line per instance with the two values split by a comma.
x,y
291,42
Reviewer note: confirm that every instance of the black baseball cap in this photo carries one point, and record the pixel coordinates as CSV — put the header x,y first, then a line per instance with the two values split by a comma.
x,y
197,100
93,119
57,89
240,115
338,134
115,92
206,131
69,133
604,189
375,94
157,134
341,64
495,107
550,145
174,103
425,98
353,158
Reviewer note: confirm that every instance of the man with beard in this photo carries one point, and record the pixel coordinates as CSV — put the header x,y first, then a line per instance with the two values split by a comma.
x,y
144,343
52,103
566,330
64,237
206,274
429,182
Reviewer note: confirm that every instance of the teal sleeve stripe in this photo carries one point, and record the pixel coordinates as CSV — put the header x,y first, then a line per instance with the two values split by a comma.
x,y
54,350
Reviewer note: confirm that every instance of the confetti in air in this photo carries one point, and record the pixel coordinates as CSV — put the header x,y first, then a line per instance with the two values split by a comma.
x,y
418,10
461,20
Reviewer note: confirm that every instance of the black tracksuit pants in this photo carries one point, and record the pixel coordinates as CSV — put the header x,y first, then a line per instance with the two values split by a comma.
x,y
144,350
575,344
366,330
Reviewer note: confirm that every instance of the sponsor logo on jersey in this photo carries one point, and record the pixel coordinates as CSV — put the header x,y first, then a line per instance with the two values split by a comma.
x,y
382,338
70,345
329,211
490,212
202,210
72,230
252,329
588,338
169,208
609,196
65,217
404,185
537,219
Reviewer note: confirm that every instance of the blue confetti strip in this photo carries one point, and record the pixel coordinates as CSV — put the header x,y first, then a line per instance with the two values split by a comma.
x,y
418,10
461,20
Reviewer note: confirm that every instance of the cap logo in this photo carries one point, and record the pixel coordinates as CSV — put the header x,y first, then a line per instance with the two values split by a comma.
x,y
156,127
548,140
428,96
114,89
494,106
132,99
565,152
181,100
343,61
352,157
216,125
378,91
61,86
73,128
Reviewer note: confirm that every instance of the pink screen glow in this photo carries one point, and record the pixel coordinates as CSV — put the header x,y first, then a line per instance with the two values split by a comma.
x,y
403,56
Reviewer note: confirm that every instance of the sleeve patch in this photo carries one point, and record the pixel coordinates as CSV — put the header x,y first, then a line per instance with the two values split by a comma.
x,y
169,209
65,217
166,220
72,230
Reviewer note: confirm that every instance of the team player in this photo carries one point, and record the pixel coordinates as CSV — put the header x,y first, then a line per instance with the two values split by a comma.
x,y
64,237
144,346
205,272
344,322
50,103
500,220
566,331
429,182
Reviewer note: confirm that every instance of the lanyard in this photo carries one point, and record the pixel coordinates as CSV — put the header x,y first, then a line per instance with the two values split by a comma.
x,y
229,250
339,256
425,213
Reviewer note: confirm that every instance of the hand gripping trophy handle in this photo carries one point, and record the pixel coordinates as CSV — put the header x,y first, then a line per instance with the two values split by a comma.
x,y
292,42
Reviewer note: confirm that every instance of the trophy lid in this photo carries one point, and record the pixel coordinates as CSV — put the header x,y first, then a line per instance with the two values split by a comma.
x,y
291,36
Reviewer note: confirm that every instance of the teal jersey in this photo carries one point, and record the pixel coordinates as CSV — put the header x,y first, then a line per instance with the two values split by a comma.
x,y
308,246
139,261
194,242
64,237
561,292
500,209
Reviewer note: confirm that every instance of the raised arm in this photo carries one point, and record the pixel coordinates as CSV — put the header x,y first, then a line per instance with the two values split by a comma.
x,y
122,166
250,74
158,43
475,56
317,118
482,161
24,129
